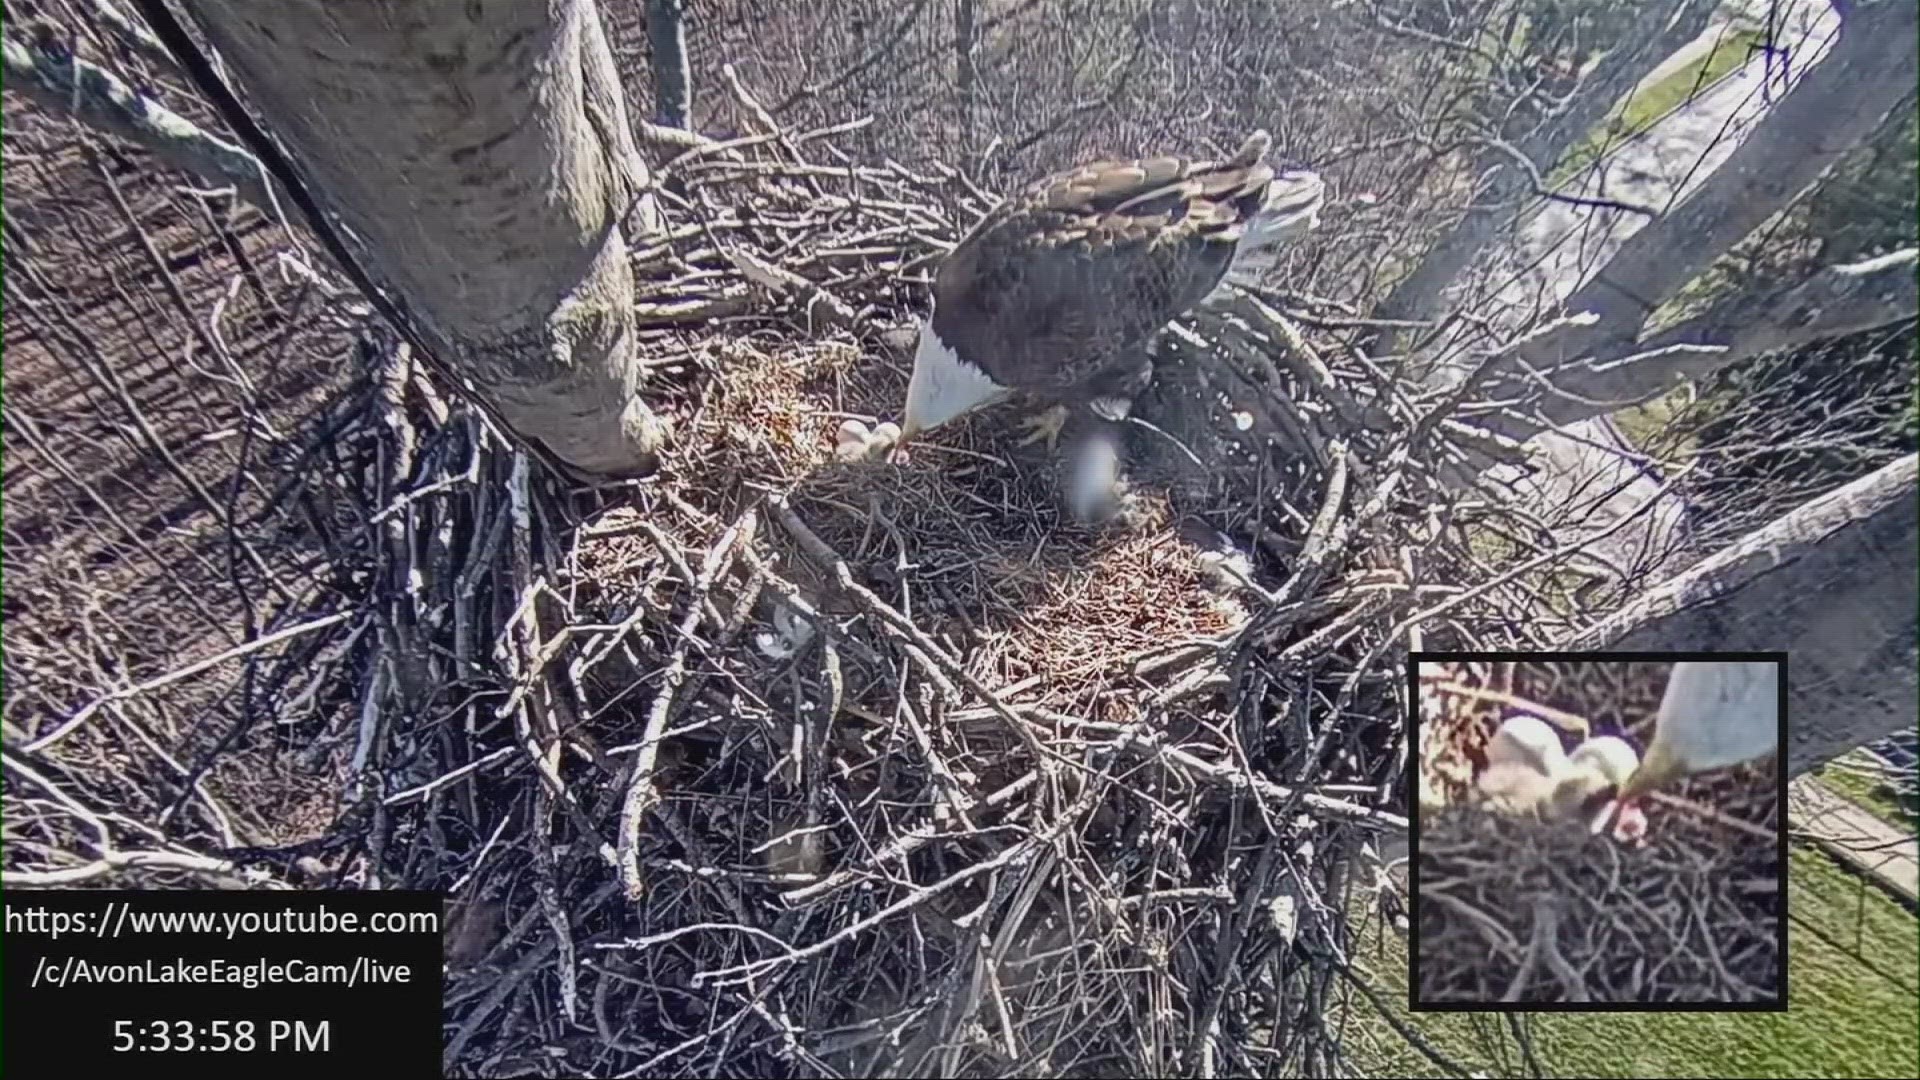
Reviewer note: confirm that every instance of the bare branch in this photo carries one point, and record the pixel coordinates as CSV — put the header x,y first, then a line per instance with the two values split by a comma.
x,y
1539,183
1845,557
93,95
1832,302
132,33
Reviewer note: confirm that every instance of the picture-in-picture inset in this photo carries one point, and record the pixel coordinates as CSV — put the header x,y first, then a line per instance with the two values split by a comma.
x,y
1599,831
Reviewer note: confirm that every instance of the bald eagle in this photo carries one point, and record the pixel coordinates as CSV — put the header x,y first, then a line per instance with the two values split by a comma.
x,y
1714,714
1058,292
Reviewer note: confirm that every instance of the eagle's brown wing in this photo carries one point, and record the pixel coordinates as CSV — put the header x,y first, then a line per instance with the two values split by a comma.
x,y
1076,273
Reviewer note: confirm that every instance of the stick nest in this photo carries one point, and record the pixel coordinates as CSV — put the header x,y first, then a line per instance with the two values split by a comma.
x,y
968,532
773,765
886,766
1515,910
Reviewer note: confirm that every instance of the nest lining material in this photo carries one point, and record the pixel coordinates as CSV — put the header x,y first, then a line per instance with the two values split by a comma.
x,y
971,519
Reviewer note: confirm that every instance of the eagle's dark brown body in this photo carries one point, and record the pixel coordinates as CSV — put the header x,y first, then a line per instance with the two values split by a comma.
x,y
1059,289
1059,292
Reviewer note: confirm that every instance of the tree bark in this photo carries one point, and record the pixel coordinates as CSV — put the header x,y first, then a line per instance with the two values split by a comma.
x,y
672,78
1834,584
1509,189
480,156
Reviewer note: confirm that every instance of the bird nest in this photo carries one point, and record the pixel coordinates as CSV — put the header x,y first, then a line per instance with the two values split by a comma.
x,y
769,764
892,767
1513,909
967,533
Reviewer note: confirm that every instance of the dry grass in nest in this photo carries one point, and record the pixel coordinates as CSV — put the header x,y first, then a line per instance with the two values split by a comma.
x,y
765,410
966,533
1513,910
997,566
784,785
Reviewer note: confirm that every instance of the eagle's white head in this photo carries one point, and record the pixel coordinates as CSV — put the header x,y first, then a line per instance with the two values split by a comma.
x,y
943,386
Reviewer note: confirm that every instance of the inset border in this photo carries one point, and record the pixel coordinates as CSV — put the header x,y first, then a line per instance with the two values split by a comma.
x,y
1540,950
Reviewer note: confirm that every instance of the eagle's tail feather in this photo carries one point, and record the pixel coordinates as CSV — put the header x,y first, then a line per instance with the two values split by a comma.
x,y
1290,209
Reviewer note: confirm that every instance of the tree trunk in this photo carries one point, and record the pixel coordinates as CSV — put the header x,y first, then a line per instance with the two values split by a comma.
x,y
1509,189
672,79
480,156
1834,584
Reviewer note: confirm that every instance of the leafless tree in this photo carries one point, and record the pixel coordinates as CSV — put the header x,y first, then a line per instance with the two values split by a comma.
x,y
1530,109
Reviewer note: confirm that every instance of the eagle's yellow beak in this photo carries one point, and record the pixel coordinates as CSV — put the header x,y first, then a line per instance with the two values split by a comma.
x,y
1657,771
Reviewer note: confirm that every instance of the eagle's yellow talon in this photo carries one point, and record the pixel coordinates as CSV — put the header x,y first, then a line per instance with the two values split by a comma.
x,y
1045,426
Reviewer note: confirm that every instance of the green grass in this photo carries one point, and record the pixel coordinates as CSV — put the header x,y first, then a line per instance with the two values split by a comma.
x,y
1650,103
1853,995
1650,426
1869,794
